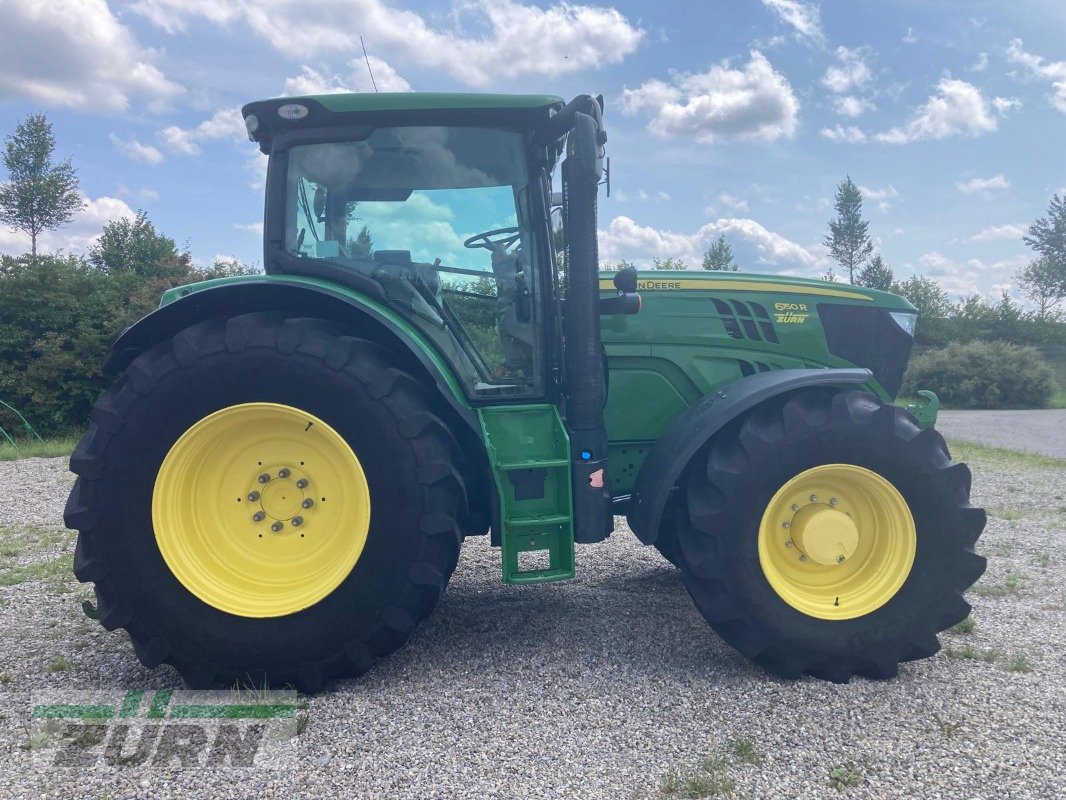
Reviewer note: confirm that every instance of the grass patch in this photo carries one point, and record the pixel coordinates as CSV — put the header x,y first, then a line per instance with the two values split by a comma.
x,y
744,751
32,448
1007,514
1011,587
971,653
1018,663
1043,560
966,626
708,778
1000,456
58,664
57,572
844,776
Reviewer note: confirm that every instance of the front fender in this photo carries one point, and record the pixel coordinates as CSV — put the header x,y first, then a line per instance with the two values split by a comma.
x,y
300,297
691,430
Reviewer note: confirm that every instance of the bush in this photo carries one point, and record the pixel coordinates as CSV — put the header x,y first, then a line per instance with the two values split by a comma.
x,y
982,375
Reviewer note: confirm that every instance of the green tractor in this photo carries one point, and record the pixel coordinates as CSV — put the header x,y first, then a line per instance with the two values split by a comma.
x,y
277,486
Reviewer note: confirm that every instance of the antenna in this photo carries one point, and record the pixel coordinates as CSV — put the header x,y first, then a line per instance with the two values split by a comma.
x,y
367,59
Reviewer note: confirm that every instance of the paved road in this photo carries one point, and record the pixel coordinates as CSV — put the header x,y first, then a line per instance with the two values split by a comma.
x,y
1033,431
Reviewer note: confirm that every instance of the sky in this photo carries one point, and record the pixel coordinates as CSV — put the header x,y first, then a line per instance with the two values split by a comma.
x,y
725,117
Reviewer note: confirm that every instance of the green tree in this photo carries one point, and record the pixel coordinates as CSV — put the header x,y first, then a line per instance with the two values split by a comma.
x,y
40,195
362,246
1043,281
719,256
668,263
134,246
876,274
926,295
849,239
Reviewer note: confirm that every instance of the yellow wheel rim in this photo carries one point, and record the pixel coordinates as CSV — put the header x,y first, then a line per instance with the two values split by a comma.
x,y
261,509
837,541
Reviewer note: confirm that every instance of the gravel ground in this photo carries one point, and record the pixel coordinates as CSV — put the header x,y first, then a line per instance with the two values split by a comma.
x,y
1042,431
594,688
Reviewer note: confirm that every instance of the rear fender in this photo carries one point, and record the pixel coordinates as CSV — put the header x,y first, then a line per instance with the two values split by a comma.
x,y
691,430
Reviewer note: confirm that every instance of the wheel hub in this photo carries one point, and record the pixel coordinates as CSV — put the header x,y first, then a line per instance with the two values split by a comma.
x,y
284,499
824,534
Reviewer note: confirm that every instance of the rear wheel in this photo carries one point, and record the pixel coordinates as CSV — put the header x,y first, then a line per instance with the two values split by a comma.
x,y
263,499
828,534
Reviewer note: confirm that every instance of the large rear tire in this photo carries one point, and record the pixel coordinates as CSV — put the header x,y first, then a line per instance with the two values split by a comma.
x,y
828,534
213,543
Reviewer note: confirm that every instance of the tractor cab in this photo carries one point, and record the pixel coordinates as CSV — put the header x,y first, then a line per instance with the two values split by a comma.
x,y
436,205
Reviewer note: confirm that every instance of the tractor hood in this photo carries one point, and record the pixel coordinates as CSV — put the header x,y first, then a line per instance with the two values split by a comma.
x,y
707,281
716,327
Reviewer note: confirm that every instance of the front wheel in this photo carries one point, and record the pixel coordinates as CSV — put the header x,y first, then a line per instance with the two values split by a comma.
x,y
828,534
265,500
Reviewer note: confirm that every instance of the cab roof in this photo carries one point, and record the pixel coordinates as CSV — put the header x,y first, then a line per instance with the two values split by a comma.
x,y
425,108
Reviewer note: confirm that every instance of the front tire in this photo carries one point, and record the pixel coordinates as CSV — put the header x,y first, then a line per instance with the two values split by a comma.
x,y
828,534
213,543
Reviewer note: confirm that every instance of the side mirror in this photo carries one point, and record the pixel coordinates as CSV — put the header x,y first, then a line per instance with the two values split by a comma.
x,y
625,280
585,146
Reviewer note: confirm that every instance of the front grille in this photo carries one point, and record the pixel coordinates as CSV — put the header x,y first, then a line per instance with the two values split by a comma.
x,y
868,337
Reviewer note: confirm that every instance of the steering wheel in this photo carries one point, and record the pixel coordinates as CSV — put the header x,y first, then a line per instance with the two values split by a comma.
x,y
505,237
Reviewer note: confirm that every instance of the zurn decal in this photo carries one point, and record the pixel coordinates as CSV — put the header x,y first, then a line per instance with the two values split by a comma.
x,y
175,730
790,313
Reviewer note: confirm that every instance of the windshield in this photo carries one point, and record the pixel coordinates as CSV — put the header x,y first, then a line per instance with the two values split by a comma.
x,y
439,217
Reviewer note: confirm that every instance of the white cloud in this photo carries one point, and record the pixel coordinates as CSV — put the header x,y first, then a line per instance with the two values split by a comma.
x,y
484,41
1005,104
848,135
626,239
853,72
910,37
1054,71
957,108
983,185
135,151
730,202
755,102
852,106
993,232
224,124
981,64
147,195
975,276
883,197
249,227
78,235
75,53
805,18
385,79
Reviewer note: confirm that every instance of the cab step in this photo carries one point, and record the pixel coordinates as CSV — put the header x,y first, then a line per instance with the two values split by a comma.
x,y
529,452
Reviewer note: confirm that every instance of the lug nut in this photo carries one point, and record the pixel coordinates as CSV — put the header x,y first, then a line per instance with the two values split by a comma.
x,y
832,501
297,522
803,556
788,543
814,498
307,503
277,526
264,478
258,516
253,496
786,524
302,483
284,472
795,507
840,559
